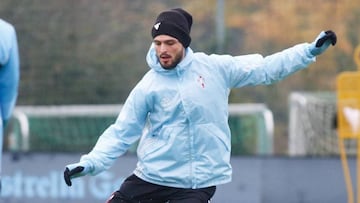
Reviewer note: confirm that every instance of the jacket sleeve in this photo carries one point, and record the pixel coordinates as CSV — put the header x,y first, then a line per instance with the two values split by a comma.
x,y
118,137
248,70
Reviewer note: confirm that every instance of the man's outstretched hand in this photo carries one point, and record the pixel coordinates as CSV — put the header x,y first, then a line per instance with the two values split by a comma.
x,y
329,35
69,173
322,42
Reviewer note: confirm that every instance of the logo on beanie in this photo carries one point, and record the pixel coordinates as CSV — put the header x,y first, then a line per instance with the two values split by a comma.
x,y
157,25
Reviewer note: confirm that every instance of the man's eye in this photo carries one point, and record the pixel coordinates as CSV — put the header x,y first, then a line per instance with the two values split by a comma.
x,y
170,43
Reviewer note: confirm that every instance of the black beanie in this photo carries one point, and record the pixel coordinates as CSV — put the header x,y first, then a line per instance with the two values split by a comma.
x,y
176,23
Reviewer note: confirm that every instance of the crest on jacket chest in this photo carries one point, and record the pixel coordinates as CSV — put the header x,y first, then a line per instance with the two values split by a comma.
x,y
201,81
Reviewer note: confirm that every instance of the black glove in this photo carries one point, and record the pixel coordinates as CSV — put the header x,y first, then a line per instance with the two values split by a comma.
x,y
69,174
329,35
322,42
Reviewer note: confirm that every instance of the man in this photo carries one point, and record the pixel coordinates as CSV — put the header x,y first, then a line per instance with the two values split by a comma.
x,y
9,76
183,102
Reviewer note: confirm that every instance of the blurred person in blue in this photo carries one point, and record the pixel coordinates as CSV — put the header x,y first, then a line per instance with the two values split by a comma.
x,y
9,76
182,103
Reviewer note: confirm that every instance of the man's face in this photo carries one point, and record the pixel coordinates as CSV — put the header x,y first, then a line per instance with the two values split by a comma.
x,y
168,50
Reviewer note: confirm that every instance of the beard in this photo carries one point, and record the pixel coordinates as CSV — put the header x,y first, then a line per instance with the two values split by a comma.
x,y
177,59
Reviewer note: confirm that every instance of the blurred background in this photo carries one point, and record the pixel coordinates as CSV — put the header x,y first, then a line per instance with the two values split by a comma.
x,y
90,52
93,52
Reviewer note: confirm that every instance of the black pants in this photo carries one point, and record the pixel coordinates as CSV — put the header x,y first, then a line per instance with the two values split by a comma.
x,y
135,190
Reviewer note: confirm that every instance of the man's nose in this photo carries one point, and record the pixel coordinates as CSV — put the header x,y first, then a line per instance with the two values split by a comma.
x,y
163,48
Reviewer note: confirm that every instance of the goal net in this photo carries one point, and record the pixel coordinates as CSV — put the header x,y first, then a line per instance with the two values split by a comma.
x,y
312,125
66,128
76,128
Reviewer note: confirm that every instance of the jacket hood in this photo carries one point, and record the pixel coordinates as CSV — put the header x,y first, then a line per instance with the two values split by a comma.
x,y
154,63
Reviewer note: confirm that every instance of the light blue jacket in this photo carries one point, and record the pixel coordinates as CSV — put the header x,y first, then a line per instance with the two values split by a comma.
x,y
186,141
9,69
9,75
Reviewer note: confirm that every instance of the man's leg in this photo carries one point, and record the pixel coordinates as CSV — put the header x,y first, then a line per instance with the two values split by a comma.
x,y
135,190
201,195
